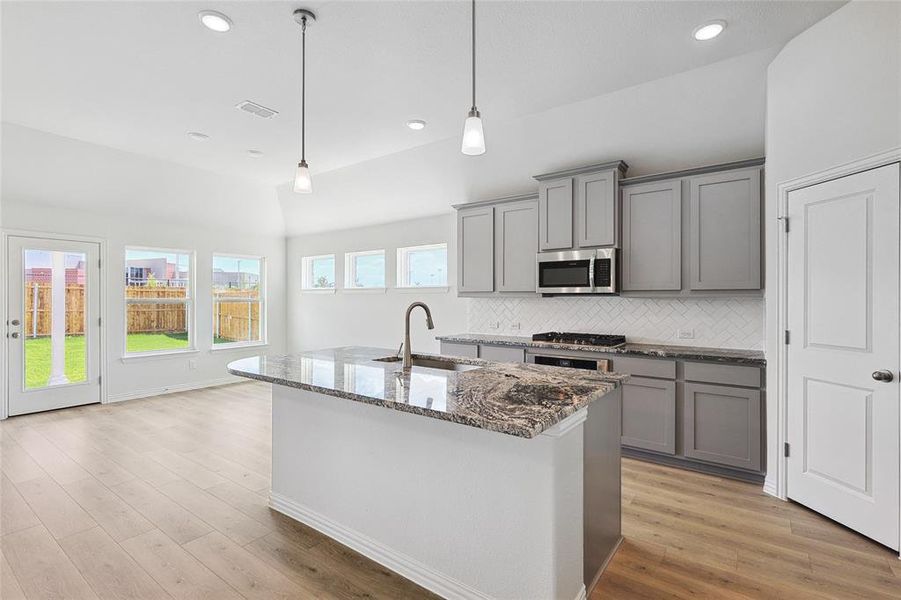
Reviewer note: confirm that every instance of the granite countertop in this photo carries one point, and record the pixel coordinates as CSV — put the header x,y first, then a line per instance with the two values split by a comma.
x,y
512,398
747,357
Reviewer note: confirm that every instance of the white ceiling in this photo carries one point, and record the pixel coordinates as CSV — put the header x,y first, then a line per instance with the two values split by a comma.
x,y
137,75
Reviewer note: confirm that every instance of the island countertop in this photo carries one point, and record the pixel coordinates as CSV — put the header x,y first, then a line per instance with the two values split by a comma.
x,y
511,398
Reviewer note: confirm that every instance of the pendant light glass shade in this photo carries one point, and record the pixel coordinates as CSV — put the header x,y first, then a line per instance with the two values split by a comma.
x,y
303,183
473,136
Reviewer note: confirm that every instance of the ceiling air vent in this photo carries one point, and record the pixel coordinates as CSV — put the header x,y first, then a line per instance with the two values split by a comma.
x,y
256,109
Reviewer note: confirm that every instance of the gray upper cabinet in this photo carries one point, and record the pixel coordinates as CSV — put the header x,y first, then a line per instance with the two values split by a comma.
x,y
516,244
475,249
652,236
555,206
597,209
725,231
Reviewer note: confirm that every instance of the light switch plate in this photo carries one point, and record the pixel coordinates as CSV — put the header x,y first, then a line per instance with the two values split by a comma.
x,y
516,326
494,325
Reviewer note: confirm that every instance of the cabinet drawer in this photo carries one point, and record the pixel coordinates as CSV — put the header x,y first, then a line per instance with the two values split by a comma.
x,y
455,349
644,367
649,414
725,374
722,425
502,353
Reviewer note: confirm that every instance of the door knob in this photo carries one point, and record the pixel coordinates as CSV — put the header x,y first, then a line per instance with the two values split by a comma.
x,y
14,334
14,322
883,375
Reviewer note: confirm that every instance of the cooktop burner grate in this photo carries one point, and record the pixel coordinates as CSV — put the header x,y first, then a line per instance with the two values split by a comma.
x,y
584,339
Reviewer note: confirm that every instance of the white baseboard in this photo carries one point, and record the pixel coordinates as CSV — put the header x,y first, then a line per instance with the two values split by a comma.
x,y
769,487
171,389
412,569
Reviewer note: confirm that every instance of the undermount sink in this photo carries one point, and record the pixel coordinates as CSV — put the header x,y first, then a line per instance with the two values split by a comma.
x,y
432,363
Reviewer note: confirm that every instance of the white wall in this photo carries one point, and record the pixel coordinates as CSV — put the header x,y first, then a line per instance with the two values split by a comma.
x,y
36,198
699,117
349,318
833,97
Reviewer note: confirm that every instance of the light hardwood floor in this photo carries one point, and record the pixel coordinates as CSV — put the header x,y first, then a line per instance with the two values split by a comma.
x,y
166,498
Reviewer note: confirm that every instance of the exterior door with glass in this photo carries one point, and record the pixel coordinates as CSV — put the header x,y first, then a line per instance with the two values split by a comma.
x,y
53,327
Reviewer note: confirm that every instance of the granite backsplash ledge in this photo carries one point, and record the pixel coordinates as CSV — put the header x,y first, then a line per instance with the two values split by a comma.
x,y
715,322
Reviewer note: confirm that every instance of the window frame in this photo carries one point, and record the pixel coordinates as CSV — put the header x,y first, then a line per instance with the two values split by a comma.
x,y
189,301
263,300
306,274
402,265
350,270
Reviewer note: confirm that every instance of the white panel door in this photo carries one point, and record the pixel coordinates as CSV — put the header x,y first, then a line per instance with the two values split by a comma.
x,y
53,332
843,356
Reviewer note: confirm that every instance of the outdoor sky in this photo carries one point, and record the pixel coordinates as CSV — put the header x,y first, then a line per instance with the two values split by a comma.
x,y
43,258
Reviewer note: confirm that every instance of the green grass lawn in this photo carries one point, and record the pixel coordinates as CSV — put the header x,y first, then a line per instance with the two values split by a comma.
x,y
37,354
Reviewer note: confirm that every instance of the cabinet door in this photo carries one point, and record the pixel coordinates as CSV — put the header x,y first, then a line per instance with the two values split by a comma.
x,y
516,239
555,214
475,249
722,425
459,349
652,237
597,210
502,353
725,231
649,414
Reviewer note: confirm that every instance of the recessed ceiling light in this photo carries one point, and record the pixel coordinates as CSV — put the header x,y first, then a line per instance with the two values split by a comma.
x,y
708,31
254,153
215,21
416,124
197,136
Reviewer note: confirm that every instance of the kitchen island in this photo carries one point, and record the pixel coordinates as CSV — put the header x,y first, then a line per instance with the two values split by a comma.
x,y
472,478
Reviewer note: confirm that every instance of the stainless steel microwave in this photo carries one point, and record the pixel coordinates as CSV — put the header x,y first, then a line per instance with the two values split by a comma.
x,y
577,272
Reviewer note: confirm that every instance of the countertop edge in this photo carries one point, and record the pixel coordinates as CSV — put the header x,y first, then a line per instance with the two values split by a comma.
x,y
751,357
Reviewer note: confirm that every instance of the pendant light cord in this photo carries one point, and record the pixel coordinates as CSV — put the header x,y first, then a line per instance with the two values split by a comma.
x,y
473,54
303,89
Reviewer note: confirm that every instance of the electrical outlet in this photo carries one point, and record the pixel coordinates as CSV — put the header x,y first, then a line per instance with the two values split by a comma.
x,y
192,364
686,334
494,325
516,326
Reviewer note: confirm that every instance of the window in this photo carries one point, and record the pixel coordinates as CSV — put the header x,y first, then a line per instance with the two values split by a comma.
x,y
364,269
238,300
319,272
159,300
422,266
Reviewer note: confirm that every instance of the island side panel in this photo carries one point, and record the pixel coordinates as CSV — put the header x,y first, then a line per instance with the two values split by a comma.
x,y
463,511
603,481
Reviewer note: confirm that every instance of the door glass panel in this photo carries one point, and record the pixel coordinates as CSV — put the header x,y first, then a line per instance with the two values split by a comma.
x,y
54,318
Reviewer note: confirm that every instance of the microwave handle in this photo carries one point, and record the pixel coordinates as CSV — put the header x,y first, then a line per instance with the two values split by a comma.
x,y
591,273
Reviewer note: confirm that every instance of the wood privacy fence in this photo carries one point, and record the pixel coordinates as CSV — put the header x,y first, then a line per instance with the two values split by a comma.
x,y
232,320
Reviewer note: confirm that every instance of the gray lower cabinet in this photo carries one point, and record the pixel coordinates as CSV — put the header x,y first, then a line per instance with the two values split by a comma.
x,y
455,349
649,414
555,216
652,237
721,425
502,353
725,231
516,244
475,249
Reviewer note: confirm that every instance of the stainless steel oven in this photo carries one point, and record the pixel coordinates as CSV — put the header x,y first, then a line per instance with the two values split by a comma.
x,y
577,272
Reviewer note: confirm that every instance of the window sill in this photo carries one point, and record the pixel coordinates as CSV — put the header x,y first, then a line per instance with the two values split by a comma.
x,y
422,289
160,354
356,290
238,346
318,291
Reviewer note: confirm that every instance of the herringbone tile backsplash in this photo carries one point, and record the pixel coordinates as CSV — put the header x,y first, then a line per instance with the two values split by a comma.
x,y
716,322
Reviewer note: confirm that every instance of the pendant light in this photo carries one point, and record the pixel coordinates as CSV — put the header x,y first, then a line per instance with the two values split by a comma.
x,y
303,183
473,136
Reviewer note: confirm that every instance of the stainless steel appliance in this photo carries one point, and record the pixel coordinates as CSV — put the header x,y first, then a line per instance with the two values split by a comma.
x,y
581,339
577,272
597,340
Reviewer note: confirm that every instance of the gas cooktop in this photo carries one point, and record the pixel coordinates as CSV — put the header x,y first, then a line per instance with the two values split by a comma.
x,y
583,339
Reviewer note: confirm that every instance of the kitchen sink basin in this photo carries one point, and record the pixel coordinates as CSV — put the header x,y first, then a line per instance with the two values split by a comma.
x,y
431,363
